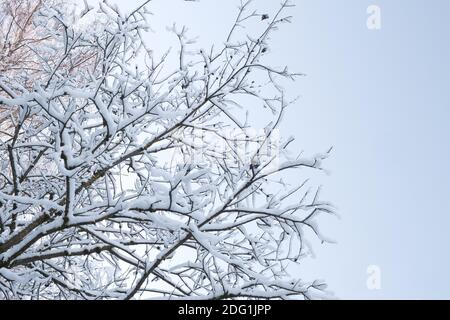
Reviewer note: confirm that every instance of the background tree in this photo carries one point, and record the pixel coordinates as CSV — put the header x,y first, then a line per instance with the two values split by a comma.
x,y
136,180
25,43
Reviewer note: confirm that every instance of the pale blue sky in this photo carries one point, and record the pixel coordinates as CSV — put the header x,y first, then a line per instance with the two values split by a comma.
x,y
381,99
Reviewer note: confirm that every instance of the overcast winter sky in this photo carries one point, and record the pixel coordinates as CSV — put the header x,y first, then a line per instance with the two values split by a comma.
x,y
380,97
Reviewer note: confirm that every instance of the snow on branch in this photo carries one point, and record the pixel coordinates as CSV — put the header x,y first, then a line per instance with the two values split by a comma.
x,y
124,180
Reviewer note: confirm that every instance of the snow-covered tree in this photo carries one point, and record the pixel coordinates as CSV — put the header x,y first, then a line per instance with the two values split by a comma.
x,y
21,41
139,180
